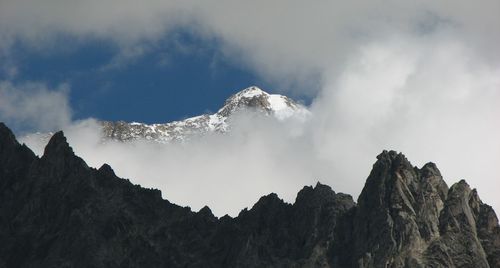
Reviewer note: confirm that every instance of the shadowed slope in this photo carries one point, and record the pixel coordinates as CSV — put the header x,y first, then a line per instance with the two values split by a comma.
x,y
55,211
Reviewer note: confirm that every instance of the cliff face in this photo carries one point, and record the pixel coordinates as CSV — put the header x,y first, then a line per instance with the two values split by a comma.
x,y
407,217
55,211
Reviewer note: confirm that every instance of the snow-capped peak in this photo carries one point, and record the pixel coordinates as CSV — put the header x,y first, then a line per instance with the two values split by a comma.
x,y
253,98
251,92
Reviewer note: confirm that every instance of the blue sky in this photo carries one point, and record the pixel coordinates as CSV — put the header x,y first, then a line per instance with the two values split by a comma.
x,y
177,77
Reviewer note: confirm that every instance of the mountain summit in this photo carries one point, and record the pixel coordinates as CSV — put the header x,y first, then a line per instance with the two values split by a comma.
x,y
250,99
255,98
55,211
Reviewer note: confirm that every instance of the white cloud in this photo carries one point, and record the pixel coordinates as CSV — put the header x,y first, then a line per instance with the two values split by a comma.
x,y
419,77
431,100
279,39
227,172
34,106
434,101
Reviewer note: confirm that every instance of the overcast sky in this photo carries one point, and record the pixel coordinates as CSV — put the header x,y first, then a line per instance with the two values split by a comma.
x,y
418,77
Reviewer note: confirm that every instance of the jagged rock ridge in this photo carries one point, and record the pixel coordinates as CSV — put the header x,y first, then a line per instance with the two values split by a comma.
x,y
55,211
407,217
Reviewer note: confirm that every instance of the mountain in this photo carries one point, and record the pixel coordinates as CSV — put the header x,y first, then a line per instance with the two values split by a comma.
x,y
55,211
251,99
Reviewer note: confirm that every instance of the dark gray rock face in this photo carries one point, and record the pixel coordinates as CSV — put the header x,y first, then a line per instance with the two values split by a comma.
x,y
55,211
407,217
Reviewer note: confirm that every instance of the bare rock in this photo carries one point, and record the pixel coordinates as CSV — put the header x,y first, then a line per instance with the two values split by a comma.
x,y
55,211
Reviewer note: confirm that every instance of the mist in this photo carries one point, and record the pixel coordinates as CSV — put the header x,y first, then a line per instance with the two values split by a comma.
x,y
420,78
432,102
227,172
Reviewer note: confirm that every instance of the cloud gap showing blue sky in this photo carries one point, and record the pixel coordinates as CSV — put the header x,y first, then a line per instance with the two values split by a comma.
x,y
177,77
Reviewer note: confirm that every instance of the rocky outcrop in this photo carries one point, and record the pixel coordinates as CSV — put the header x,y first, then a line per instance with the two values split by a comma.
x,y
55,211
58,212
407,217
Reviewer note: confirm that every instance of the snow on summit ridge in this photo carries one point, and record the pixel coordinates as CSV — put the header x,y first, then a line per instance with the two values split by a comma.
x,y
251,98
251,92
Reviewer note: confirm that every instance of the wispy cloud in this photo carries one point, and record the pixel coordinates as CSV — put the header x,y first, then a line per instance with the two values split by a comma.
x,y
432,101
278,39
29,106
422,78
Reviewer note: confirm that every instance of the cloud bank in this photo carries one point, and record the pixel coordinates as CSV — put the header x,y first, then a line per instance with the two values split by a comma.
x,y
34,106
422,78
433,102
278,39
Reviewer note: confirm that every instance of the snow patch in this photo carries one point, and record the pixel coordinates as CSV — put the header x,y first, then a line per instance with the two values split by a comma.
x,y
252,92
274,105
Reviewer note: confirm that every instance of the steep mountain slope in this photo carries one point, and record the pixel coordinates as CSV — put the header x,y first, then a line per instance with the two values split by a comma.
x,y
407,217
55,211
252,98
